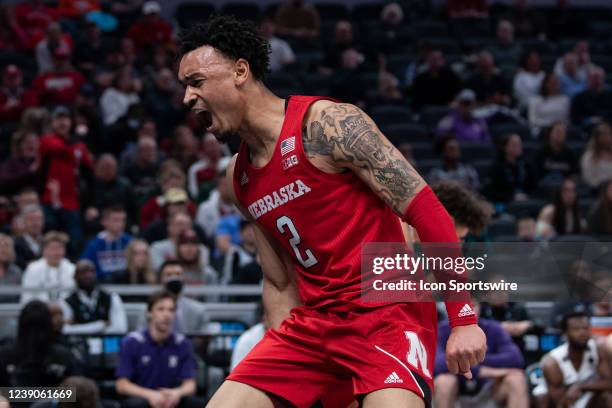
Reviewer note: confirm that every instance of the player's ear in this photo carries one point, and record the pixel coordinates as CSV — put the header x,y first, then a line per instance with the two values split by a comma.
x,y
242,71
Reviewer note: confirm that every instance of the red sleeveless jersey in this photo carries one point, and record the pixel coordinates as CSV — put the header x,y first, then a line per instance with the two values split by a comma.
x,y
320,218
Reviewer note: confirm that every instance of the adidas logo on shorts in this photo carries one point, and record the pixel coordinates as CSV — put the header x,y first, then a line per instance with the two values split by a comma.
x,y
466,310
393,378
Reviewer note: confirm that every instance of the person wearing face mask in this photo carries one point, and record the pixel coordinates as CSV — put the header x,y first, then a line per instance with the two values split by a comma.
x,y
191,315
89,309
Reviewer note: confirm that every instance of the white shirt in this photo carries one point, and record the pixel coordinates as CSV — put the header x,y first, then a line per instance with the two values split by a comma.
x,y
116,316
595,172
526,85
58,281
114,104
165,249
544,112
281,54
209,213
246,342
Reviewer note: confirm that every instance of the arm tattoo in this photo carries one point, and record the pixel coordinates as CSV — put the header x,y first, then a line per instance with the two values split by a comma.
x,y
345,134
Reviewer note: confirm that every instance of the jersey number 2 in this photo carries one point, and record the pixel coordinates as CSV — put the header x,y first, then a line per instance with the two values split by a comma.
x,y
284,223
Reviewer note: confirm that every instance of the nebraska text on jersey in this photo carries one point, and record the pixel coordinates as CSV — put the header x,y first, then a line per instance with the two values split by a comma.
x,y
271,201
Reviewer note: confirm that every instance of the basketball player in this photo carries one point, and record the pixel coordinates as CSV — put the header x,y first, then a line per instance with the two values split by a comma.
x,y
319,179
577,373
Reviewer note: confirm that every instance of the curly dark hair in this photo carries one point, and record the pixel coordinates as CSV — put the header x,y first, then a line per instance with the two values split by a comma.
x,y
463,205
233,38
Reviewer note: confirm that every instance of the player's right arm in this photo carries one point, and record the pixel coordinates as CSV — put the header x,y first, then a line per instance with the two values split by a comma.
x,y
280,293
554,381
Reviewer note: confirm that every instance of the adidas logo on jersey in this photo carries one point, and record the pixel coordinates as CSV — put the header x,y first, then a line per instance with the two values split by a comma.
x,y
393,378
244,179
466,310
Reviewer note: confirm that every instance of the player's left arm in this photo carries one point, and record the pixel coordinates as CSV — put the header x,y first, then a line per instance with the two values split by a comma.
x,y
340,137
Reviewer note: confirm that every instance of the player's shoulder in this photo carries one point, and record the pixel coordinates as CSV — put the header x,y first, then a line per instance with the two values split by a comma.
x,y
328,108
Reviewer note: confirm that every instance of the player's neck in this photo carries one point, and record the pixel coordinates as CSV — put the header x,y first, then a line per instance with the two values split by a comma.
x,y
263,122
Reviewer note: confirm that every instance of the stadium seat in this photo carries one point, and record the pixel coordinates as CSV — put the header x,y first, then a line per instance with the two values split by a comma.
x,y
505,238
483,168
499,131
430,29
527,208
367,11
247,11
397,64
427,165
332,11
281,80
576,238
314,82
188,14
387,115
502,227
476,151
431,115
407,133
423,151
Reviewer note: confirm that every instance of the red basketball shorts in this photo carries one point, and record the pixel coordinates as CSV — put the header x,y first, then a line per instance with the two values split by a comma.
x,y
388,347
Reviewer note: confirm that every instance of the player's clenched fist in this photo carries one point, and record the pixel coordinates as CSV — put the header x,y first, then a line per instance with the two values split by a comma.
x,y
465,348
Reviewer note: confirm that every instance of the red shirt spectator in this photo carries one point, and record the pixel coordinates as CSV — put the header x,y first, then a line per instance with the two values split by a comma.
x,y
151,29
34,17
61,161
76,8
61,85
14,98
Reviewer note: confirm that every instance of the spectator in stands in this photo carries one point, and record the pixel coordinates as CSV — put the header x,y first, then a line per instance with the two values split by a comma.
x,y
91,49
28,246
600,217
156,365
189,254
63,161
389,91
107,189
281,54
77,8
438,85
596,161
296,19
184,147
203,174
506,50
467,9
172,182
241,266
53,273
511,178
452,169
227,234
61,84
86,393
151,29
140,270
10,273
20,170
394,36
577,372
107,250
12,36
89,309
554,160
490,87
528,81
35,120
146,129
142,170
572,82
342,41
549,106
563,217
594,103
14,97
502,368
191,315
54,39
219,203
528,22
34,17
166,248
512,316
526,230
35,360
117,99
462,123
163,99
342,81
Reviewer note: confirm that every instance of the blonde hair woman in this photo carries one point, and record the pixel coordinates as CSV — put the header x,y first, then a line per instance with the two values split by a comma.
x,y
10,274
139,269
596,162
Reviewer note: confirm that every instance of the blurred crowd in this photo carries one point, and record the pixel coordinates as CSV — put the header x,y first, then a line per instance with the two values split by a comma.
x,y
106,178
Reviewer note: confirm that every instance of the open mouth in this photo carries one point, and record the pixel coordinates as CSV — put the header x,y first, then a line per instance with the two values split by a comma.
x,y
205,118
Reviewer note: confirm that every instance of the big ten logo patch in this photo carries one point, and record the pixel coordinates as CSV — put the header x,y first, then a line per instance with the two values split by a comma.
x,y
290,162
